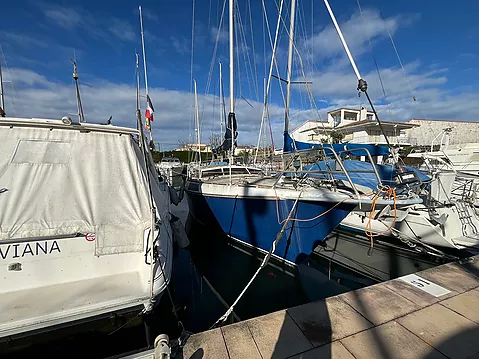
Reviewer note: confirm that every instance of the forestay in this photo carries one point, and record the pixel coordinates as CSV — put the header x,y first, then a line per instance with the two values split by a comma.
x,y
64,181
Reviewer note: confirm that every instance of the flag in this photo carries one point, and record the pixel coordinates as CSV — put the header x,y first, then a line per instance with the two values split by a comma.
x,y
149,109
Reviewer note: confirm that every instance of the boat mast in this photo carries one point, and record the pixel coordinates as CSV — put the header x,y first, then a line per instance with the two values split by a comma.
x,y
289,68
81,116
197,122
231,116
2,98
222,104
137,83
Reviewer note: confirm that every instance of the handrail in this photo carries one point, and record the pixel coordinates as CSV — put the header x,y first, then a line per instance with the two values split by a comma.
x,y
370,160
353,186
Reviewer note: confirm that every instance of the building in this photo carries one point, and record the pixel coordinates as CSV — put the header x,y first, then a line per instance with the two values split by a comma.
x,y
428,132
194,147
244,149
353,126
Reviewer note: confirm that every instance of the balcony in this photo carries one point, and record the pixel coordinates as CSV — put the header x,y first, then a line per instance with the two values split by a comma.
x,y
371,139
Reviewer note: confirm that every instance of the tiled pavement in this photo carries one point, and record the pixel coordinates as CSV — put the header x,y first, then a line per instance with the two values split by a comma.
x,y
393,319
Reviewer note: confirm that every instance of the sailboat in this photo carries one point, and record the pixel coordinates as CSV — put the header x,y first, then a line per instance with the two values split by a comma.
x,y
286,213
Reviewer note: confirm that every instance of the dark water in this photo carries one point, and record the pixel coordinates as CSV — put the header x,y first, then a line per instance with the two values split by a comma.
x,y
207,277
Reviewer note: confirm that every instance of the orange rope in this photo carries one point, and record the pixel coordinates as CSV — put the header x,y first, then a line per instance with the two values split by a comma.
x,y
388,191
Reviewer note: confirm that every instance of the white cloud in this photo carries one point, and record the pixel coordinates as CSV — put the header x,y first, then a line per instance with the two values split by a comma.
x,y
150,15
357,31
122,30
64,17
70,18
221,34
180,44
35,96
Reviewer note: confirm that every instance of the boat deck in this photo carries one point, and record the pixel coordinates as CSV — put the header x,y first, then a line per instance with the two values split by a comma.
x,y
33,309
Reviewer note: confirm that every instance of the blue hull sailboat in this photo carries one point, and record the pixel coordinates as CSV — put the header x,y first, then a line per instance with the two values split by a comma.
x,y
288,214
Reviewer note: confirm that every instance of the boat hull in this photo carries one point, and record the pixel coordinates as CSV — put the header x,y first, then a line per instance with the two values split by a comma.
x,y
254,221
459,231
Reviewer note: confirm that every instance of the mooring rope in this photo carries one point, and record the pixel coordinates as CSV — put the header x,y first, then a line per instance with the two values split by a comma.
x,y
225,316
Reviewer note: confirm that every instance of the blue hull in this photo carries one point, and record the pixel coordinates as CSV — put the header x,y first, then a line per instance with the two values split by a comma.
x,y
254,221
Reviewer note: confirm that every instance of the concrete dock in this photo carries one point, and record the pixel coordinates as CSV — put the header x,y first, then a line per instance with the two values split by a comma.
x,y
433,314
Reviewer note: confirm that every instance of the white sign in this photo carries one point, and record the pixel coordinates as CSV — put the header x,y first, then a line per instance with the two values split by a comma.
x,y
425,285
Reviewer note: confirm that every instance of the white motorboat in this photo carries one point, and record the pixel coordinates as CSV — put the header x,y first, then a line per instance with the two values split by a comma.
x,y
443,220
172,169
78,202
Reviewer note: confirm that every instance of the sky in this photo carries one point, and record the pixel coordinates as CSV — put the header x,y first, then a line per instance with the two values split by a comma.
x,y
437,43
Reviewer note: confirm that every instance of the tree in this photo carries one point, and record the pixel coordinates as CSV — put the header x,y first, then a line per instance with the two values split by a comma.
x,y
215,140
336,137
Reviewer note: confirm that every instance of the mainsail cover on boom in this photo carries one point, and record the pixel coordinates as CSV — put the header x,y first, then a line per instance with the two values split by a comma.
x,y
231,129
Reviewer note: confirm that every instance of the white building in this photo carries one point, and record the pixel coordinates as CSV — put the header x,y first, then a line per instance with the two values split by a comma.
x,y
353,126
244,149
194,147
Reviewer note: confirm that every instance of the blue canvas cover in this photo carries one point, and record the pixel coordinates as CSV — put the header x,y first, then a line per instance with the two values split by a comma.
x,y
367,179
375,150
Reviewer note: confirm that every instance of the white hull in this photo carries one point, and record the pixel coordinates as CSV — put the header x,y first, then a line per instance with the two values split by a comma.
x,y
70,283
74,234
459,231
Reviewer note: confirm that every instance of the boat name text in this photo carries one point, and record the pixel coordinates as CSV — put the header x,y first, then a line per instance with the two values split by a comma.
x,y
20,250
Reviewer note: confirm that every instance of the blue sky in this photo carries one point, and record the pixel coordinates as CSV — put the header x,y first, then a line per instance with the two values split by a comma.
x,y
437,42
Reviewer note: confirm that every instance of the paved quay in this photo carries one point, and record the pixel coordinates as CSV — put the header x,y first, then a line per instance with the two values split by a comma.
x,y
430,314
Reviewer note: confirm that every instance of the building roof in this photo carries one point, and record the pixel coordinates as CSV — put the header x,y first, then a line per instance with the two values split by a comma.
x,y
369,123
348,109
364,124
308,121
436,120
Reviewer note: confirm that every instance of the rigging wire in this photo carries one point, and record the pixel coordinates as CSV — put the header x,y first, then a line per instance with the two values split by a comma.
x,y
405,74
244,50
375,61
213,59
12,98
308,88
253,49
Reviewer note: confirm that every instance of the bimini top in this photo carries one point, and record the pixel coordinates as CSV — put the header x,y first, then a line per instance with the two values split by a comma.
x,y
63,124
58,179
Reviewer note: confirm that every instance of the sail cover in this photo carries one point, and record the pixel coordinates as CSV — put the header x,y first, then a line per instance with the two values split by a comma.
x,y
231,130
65,181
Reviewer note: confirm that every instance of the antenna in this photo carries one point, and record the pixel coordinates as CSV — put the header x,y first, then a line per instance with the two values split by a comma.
x,y
81,116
